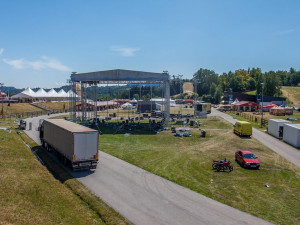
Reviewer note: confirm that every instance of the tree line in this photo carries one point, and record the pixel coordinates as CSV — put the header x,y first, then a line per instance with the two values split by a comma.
x,y
210,85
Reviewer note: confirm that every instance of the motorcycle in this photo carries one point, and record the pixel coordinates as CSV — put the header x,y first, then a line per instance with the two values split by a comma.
x,y
222,165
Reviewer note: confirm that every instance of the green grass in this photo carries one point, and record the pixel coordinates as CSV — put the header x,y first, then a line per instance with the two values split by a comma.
x,y
30,194
19,108
187,161
251,92
292,93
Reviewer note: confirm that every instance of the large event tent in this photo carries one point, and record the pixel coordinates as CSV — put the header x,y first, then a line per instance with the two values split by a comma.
x,y
41,94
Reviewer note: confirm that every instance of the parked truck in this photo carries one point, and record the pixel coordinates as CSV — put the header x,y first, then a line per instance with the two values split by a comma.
x,y
76,146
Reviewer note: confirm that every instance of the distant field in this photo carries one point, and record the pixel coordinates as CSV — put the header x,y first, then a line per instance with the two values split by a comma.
x,y
55,105
187,161
292,93
19,108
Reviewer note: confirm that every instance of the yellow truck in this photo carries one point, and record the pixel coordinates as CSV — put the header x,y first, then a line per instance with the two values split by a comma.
x,y
242,128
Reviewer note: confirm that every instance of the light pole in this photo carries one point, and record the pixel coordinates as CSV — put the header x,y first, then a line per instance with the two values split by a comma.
x,y
180,83
1,84
262,102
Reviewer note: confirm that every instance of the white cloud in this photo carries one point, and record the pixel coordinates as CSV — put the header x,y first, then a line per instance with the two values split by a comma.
x,y
285,32
125,51
18,63
1,51
44,63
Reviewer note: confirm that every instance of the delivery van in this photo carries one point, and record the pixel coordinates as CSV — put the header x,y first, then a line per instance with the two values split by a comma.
x,y
242,128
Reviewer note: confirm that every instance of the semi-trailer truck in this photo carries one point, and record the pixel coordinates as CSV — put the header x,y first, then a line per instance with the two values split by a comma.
x,y
76,146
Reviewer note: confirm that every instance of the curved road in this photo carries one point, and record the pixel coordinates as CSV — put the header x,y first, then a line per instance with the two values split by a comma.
x,y
283,149
144,198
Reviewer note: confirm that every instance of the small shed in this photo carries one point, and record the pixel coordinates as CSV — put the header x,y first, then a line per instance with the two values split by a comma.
x,y
291,134
275,127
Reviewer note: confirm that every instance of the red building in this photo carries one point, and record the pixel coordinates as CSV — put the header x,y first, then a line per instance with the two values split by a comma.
x,y
245,106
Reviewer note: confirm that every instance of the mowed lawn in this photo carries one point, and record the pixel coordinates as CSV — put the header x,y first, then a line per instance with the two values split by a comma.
x,y
187,161
55,105
29,194
19,108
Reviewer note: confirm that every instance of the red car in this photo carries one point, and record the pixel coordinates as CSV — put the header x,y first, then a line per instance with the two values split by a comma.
x,y
247,159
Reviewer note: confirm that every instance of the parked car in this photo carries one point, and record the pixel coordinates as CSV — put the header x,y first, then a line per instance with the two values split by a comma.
x,y
178,135
247,159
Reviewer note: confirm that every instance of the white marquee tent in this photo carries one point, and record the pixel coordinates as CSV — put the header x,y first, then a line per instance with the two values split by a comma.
x,y
42,94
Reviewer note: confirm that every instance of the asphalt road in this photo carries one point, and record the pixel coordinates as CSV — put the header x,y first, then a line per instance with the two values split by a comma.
x,y
283,149
144,198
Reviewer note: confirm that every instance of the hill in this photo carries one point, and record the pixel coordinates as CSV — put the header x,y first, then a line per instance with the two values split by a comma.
x,y
292,93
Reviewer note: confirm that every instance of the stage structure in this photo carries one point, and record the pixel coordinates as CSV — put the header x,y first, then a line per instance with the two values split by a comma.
x,y
93,79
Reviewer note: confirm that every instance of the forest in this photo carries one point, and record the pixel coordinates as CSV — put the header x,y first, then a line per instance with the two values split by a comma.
x,y
210,85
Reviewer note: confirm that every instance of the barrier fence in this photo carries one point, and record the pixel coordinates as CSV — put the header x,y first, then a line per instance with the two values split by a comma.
x,y
254,118
24,115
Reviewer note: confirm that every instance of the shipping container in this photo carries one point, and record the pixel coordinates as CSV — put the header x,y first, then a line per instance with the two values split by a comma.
x,y
275,127
76,145
291,134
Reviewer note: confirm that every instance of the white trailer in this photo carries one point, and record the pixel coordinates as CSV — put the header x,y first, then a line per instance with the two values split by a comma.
x,y
275,127
76,145
291,134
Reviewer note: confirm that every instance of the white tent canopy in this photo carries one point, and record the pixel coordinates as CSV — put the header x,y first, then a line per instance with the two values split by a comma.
x,y
127,104
41,93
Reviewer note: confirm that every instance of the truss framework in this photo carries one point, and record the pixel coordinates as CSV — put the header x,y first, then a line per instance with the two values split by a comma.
x,y
114,77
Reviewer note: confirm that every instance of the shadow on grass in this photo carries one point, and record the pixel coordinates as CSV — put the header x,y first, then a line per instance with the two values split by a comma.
x,y
142,128
53,165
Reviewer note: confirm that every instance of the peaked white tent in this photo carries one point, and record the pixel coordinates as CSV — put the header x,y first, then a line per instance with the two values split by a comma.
x,y
41,93
52,93
70,93
235,101
62,94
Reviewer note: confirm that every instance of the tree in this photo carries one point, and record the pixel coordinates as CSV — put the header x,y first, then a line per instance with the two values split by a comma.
x,y
136,96
272,84
218,95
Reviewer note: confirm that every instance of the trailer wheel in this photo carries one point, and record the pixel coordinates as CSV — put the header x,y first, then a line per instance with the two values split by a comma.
x,y
46,146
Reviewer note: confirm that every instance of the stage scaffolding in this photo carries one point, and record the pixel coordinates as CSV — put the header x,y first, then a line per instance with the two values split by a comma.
x,y
83,80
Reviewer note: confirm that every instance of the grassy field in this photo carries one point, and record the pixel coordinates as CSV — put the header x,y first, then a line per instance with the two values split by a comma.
x,y
55,105
292,93
187,161
19,108
251,92
30,194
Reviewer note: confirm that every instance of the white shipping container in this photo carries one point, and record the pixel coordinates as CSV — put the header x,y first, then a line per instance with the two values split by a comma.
x,y
274,126
291,134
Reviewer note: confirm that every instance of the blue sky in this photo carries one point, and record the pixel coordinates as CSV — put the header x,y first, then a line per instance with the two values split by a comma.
x,y
42,42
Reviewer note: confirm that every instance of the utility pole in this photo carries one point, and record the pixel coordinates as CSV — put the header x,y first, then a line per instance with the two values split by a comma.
x,y
262,102
2,112
196,82
180,83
